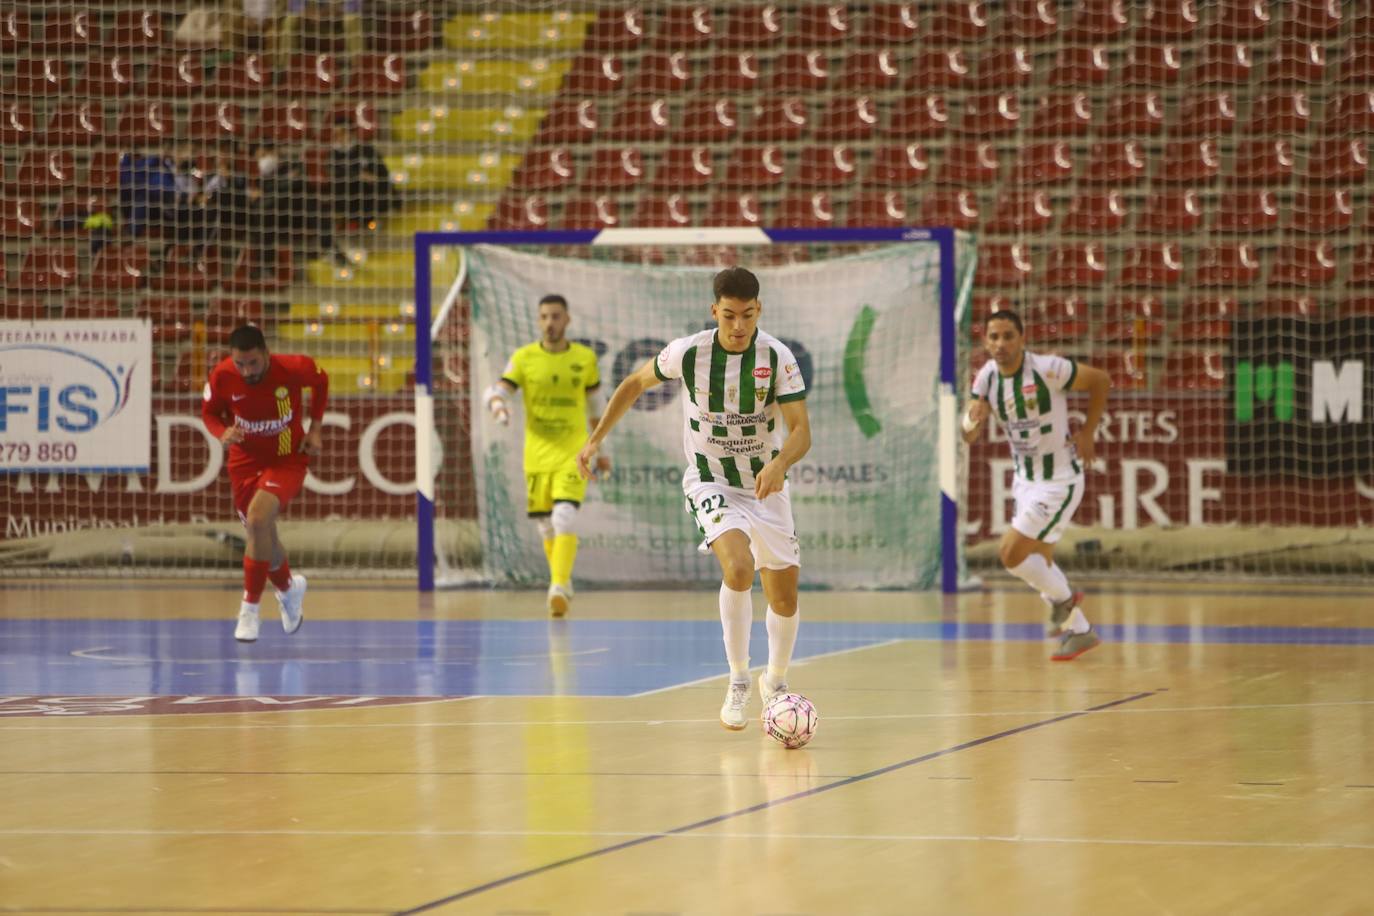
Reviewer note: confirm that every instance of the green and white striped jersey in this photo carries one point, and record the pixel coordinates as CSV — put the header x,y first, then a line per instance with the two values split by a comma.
x,y
731,426
1034,412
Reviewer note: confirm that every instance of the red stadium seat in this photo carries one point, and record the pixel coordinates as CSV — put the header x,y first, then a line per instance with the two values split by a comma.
x,y
1152,65
684,28
1062,115
961,22
871,70
16,122
1304,265
287,122
311,74
226,313
1128,367
778,120
570,121
173,319
1170,20
1206,320
106,78
1153,266
1279,113
848,118
600,211
1357,66
918,117
639,119
120,267
217,122
1099,21
1344,161
751,26
1131,319
1192,161
1312,21
1350,113
1116,162
1362,275
990,115
377,75
1044,163
76,124
1262,162
1002,264
1223,64
1171,212
734,209
47,268
1207,114
1247,211
969,164
70,31
708,120
799,71
1133,115
89,307
1056,319
403,30
1322,210
826,167
188,269
1195,370
177,76
672,210
758,167
1004,68
898,166
876,208
15,29
806,211
889,25
20,217
102,173
523,212
1021,212
1295,61
43,170
245,76
658,74
820,24
685,168
138,28
245,276
734,72
146,123
1241,19
1228,265
616,30
955,207
41,76
1081,66
545,169
614,169
1030,20
1077,266
941,69
1096,213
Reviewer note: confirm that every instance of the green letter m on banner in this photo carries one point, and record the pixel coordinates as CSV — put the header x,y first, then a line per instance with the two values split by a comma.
x,y
1273,385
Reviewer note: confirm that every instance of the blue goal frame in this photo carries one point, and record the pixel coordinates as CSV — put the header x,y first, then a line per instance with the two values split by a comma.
x,y
947,447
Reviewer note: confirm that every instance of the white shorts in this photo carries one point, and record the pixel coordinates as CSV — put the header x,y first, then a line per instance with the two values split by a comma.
x,y
1045,507
768,522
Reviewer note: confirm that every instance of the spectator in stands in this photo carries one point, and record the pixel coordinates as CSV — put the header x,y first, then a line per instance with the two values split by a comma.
x,y
358,178
147,191
289,212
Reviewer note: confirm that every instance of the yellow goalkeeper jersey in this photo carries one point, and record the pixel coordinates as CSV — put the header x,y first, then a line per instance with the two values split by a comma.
x,y
554,387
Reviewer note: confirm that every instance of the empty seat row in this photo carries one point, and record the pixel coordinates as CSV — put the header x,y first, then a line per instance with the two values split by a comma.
x,y
130,266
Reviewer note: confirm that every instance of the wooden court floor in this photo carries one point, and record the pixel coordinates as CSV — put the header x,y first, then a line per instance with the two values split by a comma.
x,y
461,754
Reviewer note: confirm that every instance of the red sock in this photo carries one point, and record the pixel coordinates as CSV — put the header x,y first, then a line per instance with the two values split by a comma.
x,y
254,578
281,576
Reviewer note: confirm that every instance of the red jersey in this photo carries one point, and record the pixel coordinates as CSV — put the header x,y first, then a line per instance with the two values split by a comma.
x,y
269,412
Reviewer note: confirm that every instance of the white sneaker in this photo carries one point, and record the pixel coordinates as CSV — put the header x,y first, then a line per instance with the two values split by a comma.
x,y
768,688
247,629
291,611
560,599
732,711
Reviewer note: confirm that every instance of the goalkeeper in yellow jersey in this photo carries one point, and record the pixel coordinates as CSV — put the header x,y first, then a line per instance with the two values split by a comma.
x,y
558,380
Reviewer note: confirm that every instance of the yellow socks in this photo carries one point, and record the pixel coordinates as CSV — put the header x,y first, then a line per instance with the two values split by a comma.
x,y
562,554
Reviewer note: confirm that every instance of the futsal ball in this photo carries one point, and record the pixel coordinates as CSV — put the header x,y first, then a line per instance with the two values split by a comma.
x,y
790,719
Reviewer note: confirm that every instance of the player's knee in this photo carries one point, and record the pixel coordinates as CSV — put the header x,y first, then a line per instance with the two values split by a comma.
x,y
545,526
737,571
564,518
1012,551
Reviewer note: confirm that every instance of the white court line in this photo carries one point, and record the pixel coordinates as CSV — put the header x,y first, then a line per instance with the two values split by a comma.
x,y
94,654
795,664
714,835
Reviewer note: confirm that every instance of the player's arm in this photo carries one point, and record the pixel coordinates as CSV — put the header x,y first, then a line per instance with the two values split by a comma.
x,y
797,444
975,415
626,393
1097,383
215,414
496,399
317,380
596,407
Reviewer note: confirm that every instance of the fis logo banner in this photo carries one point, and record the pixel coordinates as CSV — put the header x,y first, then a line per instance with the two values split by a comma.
x,y
75,395
1302,397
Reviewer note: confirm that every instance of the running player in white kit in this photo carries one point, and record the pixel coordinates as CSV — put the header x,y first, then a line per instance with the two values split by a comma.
x,y
737,383
1025,392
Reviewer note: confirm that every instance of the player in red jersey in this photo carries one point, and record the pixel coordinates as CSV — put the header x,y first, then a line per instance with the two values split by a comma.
x,y
253,405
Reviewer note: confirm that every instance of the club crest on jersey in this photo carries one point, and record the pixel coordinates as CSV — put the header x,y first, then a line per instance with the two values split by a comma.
x,y
760,394
762,372
1028,389
280,392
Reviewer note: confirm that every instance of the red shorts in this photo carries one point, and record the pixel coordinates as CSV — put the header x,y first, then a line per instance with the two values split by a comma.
x,y
284,481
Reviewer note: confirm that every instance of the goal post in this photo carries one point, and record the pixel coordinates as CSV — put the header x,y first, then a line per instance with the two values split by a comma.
x,y
672,267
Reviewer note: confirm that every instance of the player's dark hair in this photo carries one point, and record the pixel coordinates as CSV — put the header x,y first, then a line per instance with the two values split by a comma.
x,y
247,338
1006,315
555,298
736,283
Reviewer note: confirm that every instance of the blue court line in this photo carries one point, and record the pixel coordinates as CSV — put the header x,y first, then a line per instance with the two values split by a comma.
x,y
763,806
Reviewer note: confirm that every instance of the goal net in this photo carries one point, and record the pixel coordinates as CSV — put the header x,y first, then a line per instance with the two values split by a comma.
x,y
862,319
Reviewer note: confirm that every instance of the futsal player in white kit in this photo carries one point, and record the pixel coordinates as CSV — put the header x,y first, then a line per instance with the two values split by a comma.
x,y
1024,391
740,387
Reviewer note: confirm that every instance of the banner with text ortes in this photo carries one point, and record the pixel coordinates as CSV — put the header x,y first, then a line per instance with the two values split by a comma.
x,y
75,395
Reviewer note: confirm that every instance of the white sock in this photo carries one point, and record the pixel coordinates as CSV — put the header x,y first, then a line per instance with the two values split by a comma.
x,y
736,617
782,636
1048,580
1077,623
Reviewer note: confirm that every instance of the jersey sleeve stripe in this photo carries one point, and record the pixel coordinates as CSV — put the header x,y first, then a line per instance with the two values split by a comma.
x,y
1073,374
794,396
